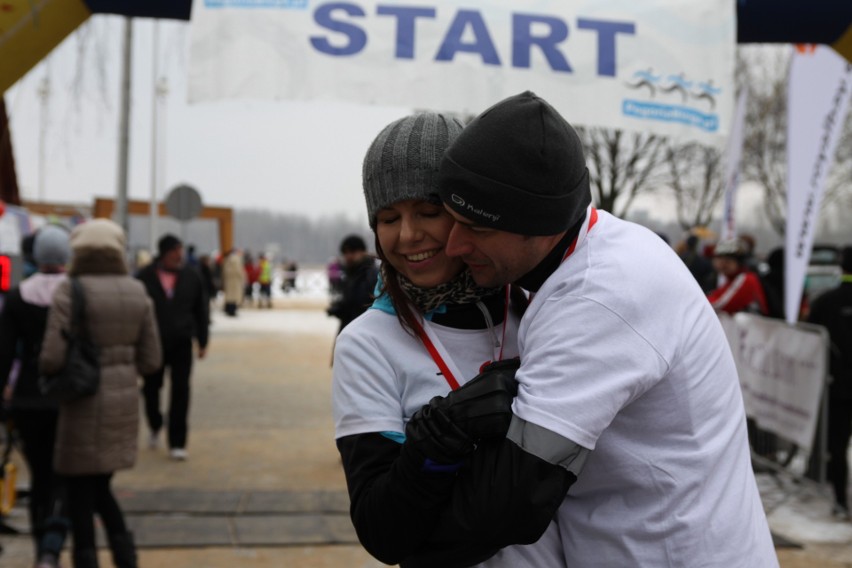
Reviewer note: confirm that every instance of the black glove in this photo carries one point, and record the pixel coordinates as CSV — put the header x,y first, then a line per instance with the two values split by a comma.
x,y
482,407
433,441
445,430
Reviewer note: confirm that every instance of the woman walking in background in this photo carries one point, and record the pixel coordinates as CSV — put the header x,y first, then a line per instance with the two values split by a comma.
x,y
97,435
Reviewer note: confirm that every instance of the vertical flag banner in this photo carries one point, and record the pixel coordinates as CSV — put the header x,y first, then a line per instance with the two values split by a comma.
x,y
733,160
818,98
664,66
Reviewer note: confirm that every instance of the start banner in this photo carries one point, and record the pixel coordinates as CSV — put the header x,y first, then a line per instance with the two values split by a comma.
x,y
782,372
664,66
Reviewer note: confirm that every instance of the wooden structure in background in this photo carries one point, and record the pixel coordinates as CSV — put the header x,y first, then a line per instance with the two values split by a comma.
x,y
224,216
59,209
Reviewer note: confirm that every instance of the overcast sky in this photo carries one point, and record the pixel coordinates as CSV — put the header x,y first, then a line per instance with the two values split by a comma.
x,y
283,156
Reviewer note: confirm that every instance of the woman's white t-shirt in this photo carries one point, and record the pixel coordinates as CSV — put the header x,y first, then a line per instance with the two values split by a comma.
x,y
382,375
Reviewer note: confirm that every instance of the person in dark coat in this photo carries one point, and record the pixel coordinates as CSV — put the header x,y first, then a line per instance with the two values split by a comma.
x,y
182,307
359,280
700,267
22,325
834,311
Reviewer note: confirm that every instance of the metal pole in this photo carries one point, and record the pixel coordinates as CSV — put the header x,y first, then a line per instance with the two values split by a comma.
x,y
155,102
124,128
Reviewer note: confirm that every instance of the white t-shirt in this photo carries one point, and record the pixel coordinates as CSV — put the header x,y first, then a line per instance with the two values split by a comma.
x,y
383,375
621,353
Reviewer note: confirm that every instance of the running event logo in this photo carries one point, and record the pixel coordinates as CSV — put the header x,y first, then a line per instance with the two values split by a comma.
x,y
673,98
282,4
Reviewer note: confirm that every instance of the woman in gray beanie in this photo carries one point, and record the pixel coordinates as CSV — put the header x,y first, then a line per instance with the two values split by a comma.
x,y
430,332
22,324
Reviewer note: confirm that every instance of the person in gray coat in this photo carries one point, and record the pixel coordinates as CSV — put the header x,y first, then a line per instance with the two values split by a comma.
x,y
97,435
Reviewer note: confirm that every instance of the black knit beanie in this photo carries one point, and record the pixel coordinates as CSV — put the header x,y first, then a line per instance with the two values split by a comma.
x,y
168,243
517,167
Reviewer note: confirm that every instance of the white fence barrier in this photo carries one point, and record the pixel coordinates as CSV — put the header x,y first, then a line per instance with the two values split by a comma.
x,y
783,371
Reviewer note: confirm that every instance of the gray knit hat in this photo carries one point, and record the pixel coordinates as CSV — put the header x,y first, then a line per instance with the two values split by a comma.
x,y
402,162
51,246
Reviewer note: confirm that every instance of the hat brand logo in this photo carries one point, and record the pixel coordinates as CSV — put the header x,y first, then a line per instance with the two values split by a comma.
x,y
458,200
482,213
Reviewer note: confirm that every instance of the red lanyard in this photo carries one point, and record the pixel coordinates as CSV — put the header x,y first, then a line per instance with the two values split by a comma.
x,y
593,218
436,355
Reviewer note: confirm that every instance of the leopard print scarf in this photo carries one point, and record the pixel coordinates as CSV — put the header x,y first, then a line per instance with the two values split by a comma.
x,y
460,290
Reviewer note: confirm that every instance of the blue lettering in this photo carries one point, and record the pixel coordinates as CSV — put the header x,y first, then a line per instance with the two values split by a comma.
x,y
606,41
405,19
357,36
523,40
482,43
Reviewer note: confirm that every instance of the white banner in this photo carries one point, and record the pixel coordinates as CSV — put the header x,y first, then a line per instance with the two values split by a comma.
x,y
818,99
733,159
782,371
657,65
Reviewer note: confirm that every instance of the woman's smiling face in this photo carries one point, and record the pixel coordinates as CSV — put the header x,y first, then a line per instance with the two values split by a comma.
x,y
412,234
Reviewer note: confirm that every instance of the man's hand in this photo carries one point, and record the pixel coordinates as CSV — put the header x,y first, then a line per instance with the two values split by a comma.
x,y
445,431
482,407
434,442
202,352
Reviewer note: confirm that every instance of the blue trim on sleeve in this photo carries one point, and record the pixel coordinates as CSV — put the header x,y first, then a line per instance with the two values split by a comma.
x,y
397,437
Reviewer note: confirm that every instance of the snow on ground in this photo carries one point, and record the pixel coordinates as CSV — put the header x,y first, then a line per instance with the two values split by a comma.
x,y
801,511
303,309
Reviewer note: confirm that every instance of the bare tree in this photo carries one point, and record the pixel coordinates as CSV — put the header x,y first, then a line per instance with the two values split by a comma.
x,y
766,72
622,165
697,179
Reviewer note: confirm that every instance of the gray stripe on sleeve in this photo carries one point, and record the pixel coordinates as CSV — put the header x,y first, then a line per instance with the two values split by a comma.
x,y
547,445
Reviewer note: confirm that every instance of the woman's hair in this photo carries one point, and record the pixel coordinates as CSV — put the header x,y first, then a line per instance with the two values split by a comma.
x,y
390,286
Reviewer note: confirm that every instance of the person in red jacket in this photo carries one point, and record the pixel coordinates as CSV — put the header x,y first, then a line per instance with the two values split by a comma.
x,y
742,290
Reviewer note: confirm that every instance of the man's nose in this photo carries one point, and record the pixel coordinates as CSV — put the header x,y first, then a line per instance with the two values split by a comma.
x,y
457,244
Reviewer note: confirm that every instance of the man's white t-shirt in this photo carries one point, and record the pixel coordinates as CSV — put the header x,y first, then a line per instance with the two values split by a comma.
x,y
622,354
383,375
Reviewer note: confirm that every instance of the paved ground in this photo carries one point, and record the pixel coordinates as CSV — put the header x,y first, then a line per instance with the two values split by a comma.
x,y
263,486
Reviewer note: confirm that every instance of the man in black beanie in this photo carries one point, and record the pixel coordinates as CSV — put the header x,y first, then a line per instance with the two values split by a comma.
x,y
180,300
629,424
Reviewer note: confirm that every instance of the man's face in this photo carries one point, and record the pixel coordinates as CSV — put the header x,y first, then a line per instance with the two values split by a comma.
x,y
727,266
353,257
173,259
495,257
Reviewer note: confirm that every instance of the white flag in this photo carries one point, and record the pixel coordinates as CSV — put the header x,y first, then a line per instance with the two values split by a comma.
x,y
818,98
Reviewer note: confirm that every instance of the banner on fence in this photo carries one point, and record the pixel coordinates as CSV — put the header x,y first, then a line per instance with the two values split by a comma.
x,y
782,371
658,65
